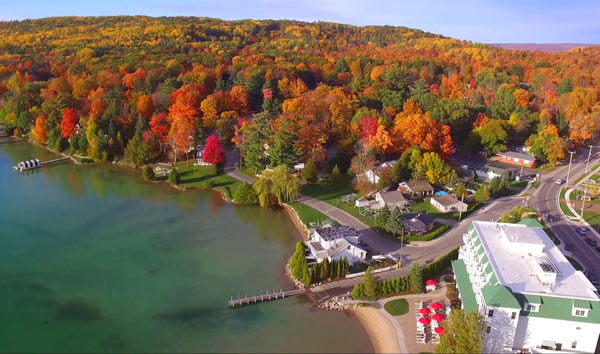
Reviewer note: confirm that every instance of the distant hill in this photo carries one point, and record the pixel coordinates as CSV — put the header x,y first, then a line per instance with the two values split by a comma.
x,y
547,47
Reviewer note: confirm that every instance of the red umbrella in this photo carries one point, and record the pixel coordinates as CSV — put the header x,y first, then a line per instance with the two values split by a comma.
x,y
439,330
437,317
425,320
436,306
424,311
430,282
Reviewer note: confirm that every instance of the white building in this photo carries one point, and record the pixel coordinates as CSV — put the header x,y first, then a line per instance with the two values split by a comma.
x,y
336,243
530,295
448,204
373,174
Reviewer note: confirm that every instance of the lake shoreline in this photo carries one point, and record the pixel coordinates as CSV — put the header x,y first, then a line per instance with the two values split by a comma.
x,y
380,331
366,321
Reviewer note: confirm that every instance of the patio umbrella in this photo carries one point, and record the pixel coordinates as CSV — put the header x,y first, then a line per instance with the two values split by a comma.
x,y
430,282
425,320
439,330
424,311
436,306
437,317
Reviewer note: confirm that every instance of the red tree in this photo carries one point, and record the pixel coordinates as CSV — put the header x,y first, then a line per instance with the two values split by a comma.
x,y
68,123
160,126
368,128
213,152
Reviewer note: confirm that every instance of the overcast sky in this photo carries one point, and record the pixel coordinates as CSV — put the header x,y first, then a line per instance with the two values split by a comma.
x,y
489,21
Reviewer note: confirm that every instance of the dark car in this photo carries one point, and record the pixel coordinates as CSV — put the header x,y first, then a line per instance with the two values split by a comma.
x,y
590,242
593,278
569,246
597,249
581,231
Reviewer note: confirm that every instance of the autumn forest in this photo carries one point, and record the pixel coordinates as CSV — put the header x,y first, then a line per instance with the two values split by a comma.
x,y
142,89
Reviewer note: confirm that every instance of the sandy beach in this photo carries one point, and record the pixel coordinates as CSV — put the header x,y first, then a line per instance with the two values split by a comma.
x,y
380,330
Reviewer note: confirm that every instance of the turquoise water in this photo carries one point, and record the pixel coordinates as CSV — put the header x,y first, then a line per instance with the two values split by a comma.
x,y
93,259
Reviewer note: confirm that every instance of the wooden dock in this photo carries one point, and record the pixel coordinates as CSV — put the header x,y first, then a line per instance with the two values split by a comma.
x,y
269,296
36,163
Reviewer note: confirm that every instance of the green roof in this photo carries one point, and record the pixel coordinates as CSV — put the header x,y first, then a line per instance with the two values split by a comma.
x,y
560,308
493,279
467,295
582,304
499,296
530,222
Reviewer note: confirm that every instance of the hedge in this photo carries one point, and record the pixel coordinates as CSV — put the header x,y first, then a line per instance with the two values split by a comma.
x,y
435,233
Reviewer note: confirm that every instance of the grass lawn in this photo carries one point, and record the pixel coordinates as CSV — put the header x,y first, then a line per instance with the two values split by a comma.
x,y
592,217
563,205
332,193
202,176
307,214
519,184
396,307
575,264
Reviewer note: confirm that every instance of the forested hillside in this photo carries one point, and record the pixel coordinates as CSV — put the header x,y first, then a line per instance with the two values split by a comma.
x,y
143,88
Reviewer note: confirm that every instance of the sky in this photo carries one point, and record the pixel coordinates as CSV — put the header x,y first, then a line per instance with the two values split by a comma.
x,y
488,21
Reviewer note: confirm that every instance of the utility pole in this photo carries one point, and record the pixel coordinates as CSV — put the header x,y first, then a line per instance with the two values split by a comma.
x,y
569,169
462,199
586,182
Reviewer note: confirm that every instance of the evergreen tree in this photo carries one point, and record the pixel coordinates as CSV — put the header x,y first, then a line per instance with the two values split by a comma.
x,y
336,175
173,177
416,278
148,173
282,150
370,285
482,194
394,222
245,194
253,145
464,333
309,172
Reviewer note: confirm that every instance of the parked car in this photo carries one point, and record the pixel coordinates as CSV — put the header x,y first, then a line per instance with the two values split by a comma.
x,y
582,231
590,242
593,278
569,247
597,249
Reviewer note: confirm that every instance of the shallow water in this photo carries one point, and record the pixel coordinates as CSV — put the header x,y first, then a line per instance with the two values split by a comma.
x,y
94,259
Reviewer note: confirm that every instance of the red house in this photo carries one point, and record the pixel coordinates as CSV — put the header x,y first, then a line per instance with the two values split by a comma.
x,y
516,158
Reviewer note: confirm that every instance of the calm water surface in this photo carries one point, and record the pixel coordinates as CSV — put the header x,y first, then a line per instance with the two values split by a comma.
x,y
93,259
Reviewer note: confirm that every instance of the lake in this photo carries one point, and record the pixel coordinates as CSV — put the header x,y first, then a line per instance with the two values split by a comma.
x,y
93,259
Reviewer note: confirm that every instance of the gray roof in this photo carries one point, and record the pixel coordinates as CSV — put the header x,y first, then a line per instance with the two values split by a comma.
x,y
518,155
424,217
392,197
447,200
416,185
337,232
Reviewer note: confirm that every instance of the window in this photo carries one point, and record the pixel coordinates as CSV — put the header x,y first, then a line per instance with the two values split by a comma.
x,y
348,247
531,308
513,316
580,313
488,329
577,328
574,345
490,313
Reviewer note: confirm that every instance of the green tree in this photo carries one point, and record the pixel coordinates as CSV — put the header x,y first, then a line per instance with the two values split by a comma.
x,y
370,285
278,184
309,172
336,175
245,194
460,190
282,150
464,333
416,278
256,136
173,177
394,223
494,136
482,194
148,173
436,170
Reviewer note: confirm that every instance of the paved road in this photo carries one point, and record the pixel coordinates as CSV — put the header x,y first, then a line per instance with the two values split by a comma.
x,y
546,200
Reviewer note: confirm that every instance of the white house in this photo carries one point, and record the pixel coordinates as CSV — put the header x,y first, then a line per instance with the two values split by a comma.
x,y
199,156
530,295
391,199
336,243
448,204
373,174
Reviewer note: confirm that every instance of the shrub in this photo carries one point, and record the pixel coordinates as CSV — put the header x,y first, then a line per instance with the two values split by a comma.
x,y
209,184
148,173
245,194
309,172
173,176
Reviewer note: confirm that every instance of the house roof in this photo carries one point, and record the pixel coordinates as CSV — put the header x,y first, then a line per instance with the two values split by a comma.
x,y
330,233
464,285
417,185
422,216
386,164
559,308
447,200
392,197
499,296
518,155
342,245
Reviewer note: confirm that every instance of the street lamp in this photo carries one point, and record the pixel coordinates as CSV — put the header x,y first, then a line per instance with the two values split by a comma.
x,y
586,182
569,169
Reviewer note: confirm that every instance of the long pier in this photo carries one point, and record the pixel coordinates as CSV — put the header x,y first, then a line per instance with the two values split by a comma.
x,y
275,295
36,163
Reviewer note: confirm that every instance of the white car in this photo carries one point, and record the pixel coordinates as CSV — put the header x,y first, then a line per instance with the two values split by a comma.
x,y
559,181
